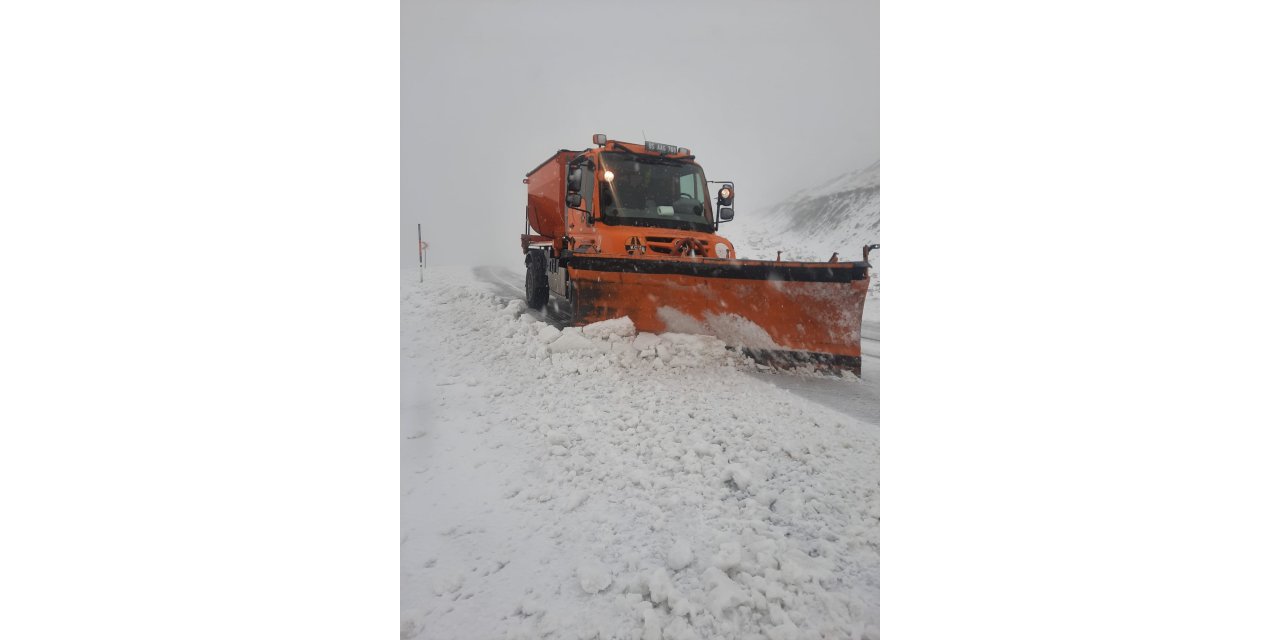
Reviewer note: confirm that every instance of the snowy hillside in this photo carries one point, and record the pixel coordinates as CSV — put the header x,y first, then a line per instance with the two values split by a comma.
x,y
840,215
596,483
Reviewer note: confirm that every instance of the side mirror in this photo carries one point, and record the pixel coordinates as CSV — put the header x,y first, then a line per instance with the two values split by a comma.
x,y
726,214
573,200
575,180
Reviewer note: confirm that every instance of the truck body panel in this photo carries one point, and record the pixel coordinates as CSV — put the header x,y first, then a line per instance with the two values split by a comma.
x,y
546,211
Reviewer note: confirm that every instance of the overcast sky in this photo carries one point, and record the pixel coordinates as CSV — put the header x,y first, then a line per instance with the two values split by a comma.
x,y
776,96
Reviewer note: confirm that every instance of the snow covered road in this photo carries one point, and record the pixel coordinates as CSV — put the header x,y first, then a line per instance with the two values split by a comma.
x,y
595,483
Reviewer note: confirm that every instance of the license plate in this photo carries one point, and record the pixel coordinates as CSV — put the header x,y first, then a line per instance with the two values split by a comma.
x,y
660,148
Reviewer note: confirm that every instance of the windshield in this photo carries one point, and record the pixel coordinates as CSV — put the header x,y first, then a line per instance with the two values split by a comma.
x,y
649,191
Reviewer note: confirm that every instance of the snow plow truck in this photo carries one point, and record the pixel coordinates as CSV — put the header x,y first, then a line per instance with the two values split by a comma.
x,y
627,229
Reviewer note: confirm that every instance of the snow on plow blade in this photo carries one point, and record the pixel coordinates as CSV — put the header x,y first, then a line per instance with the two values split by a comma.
x,y
777,312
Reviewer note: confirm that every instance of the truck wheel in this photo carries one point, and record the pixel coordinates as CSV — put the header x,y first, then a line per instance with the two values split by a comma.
x,y
536,288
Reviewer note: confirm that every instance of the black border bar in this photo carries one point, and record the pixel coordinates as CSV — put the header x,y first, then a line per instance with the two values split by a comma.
x,y
820,272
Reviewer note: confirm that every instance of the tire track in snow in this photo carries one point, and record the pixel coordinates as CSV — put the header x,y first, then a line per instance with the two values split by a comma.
x,y
510,286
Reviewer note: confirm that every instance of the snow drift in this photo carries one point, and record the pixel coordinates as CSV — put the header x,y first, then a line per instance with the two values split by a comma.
x,y
840,215
597,482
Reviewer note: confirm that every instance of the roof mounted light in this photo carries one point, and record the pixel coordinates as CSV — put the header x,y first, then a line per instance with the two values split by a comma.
x,y
599,139
684,150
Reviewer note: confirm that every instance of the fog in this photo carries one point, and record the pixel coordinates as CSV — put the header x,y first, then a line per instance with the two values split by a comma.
x,y
776,96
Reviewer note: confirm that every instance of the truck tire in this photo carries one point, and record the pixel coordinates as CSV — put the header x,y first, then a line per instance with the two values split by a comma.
x,y
536,287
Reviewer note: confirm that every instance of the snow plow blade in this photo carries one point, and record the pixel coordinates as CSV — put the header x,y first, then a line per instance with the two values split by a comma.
x,y
780,313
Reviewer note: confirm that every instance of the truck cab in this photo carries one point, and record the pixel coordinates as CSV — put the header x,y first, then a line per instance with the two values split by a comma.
x,y
627,199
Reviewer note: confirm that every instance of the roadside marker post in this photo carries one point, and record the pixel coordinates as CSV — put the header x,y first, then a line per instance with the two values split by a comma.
x,y
420,248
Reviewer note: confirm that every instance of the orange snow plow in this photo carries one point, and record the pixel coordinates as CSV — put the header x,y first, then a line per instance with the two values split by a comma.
x,y
629,230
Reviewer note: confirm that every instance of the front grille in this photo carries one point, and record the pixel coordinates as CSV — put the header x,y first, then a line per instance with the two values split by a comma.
x,y
661,244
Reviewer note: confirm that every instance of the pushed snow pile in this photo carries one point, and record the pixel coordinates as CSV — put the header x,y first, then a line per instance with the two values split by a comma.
x,y
615,344
599,482
572,340
611,329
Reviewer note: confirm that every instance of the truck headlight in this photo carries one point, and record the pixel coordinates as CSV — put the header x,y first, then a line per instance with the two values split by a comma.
x,y
722,250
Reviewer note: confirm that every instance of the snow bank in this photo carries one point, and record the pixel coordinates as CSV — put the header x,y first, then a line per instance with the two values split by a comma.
x,y
840,215
597,482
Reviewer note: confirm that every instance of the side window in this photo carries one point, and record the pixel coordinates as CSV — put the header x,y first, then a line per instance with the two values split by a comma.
x,y
607,206
690,185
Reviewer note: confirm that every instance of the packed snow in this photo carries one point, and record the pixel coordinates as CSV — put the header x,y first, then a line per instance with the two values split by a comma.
x,y
599,482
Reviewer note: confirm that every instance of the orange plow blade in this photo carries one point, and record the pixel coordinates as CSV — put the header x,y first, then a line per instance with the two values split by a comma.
x,y
778,312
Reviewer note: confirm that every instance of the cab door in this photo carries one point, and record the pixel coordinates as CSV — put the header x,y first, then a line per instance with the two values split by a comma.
x,y
579,217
